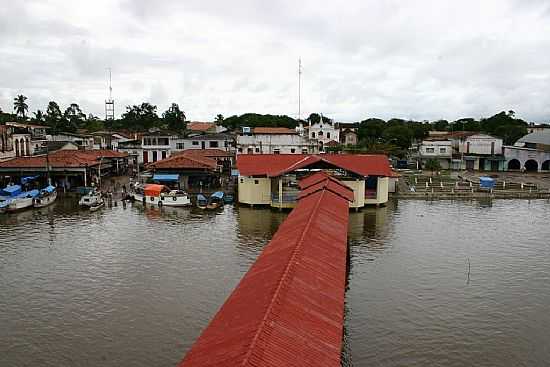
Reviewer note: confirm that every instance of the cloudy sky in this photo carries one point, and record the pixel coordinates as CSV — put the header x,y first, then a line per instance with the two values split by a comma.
x,y
365,58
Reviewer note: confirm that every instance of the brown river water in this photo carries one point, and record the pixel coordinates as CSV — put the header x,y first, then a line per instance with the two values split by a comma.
x,y
127,286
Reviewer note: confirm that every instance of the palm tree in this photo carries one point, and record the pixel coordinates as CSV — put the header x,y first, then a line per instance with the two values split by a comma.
x,y
219,119
19,105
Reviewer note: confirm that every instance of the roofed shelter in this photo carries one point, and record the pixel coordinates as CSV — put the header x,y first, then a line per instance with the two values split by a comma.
x,y
272,179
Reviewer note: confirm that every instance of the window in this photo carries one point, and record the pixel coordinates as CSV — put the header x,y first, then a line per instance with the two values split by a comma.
x,y
276,151
154,155
180,146
468,147
430,150
195,142
320,133
163,154
256,182
240,150
145,157
213,144
257,150
313,135
242,180
443,150
250,151
328,135
304,151
163,141
292,150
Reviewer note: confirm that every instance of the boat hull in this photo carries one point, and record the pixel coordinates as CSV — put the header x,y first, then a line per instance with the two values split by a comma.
x,y
45,201
19,204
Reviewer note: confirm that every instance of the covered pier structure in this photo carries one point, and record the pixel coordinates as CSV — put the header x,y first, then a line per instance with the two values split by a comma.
x,y
288,310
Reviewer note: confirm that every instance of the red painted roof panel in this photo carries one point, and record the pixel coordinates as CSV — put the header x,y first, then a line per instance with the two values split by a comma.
x,y
273,165
288,309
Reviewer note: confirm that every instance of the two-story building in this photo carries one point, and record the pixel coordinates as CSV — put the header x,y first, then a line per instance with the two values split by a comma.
x,y
272,179
440,149
348,134
274,140
482,152
30,138
83,141
222,141
108,139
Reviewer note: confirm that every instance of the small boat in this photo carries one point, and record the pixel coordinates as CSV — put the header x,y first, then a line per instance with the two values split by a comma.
x,y
216,200
202,202
97,205
161,195
7,195
22,201
228,198
92,198
46,197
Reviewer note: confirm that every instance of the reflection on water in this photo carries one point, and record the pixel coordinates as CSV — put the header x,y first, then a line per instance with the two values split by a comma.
x,y
133,285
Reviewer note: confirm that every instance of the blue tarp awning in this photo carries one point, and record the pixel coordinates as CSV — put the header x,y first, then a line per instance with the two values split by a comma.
x,y
217,194
49,189
12,190
24,180
166,177
29,194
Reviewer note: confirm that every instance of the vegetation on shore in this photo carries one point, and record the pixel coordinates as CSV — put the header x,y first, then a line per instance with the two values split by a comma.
x,y
394,136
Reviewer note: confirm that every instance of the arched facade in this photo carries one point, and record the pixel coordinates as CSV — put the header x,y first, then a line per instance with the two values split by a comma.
x,y
514,164
531,165
17,148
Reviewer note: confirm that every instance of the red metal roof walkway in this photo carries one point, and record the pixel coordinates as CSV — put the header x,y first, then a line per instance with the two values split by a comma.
x,y
288,310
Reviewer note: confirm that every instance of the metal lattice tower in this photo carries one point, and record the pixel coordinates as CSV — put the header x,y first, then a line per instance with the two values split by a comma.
x,y
110,103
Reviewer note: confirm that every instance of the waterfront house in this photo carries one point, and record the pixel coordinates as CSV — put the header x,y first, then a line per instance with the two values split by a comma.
x,y
187,170
272,179
67,168
274,140
530,153
438,148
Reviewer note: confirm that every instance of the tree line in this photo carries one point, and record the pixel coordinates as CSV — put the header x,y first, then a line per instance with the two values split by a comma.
x,y
393,136
136,117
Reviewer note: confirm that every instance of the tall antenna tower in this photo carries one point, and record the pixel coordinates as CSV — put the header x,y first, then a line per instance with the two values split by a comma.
x,y
300,89
110,103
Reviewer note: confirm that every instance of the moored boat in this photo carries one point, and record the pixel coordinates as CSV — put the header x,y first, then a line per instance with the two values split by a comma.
x,y
92,198
202,201
7,195
97,205
22,201
161,195
46,197
216,200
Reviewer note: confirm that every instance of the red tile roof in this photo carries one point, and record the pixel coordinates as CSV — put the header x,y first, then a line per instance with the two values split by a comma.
x,y
288,310
201,126
273,165
63,159
274,130
332,143
184,162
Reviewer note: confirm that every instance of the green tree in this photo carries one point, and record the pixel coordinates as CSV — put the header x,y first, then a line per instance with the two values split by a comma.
x,y
255,120
174,118
441,125
20,106
371,130
94,123
74,117
54,117
219,119
400,135
432,165
140,117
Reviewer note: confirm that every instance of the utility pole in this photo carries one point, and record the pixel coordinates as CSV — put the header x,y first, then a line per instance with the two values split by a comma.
x,y
300,89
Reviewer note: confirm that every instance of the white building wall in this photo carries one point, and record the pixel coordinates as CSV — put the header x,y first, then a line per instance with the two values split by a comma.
x,y
437,148
271,143
326,129
481,144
